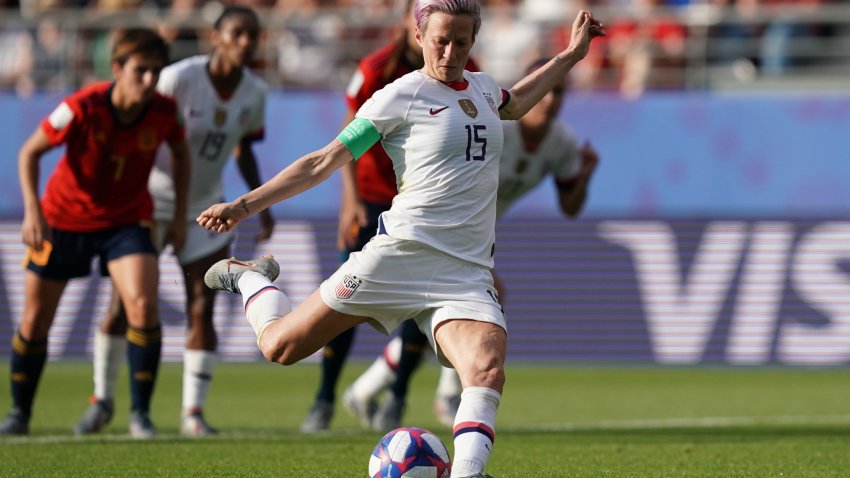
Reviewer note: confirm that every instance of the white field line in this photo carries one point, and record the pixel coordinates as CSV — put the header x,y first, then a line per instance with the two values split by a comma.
x,y
640,424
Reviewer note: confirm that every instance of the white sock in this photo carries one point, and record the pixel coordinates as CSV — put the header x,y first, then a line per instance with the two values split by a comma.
x,y
449,384
197,374
263,302
376,378
109,353
474,430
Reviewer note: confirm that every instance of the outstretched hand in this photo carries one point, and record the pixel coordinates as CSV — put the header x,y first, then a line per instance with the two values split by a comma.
x,y
585,29
222,217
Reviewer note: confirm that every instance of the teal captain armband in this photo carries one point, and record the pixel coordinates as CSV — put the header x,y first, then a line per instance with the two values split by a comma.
x,y
359,136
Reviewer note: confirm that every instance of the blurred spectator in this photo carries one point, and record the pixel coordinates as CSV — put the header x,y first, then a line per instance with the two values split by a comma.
x,y
647,48
53,47
788,23
15,57
732,40
177,29
505,41
307,47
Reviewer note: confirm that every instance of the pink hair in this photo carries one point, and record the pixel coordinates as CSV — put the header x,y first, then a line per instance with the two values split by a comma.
x,y
424,8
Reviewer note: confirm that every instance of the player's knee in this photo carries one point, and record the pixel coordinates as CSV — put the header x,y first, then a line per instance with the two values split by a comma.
x,y
142,312
279,350
490,374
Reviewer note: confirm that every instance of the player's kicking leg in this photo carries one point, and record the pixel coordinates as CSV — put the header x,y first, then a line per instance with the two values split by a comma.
x,y
284,336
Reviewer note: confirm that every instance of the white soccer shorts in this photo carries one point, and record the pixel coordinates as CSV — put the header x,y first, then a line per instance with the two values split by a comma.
x,y
392,280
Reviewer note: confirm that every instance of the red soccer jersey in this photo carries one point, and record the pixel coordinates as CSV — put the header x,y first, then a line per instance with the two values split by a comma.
x,y
102,180
374,170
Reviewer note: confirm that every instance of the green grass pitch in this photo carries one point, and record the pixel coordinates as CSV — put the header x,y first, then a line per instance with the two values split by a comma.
x,y
554,421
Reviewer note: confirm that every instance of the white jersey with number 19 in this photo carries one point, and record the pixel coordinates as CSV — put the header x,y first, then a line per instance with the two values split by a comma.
x,y
445,141
214,126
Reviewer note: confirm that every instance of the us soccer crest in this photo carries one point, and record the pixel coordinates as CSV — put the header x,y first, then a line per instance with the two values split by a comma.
x,y
468,107
347,286
220,116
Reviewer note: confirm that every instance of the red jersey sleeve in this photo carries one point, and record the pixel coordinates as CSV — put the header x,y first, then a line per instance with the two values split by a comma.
x,y
62,121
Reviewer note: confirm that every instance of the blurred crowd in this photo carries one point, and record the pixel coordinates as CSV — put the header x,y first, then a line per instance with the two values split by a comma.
x,y
57,45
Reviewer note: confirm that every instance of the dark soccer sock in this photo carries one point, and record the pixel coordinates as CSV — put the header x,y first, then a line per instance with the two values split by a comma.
x,y
144,347
333,359
28,359
413,343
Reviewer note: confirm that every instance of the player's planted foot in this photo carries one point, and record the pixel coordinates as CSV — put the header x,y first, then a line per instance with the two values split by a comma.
x,y
225,274
97,416
319,418
141,426
388,416
16,423
445,408
362,410
194,425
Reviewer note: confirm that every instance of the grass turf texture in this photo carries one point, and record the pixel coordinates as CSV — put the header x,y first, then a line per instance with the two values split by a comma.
x,y
553,422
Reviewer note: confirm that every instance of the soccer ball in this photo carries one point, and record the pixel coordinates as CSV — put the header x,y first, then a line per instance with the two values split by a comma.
x,y
410,453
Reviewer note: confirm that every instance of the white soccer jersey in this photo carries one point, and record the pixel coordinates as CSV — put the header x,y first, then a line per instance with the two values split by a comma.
x,y
521,170
445,146
214,126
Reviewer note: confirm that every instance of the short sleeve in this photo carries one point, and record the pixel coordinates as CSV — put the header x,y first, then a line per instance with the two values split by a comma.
x,y
387,108
168,79
62,121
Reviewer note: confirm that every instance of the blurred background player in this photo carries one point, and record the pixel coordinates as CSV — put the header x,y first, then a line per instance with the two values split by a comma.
x,y
369,186
535,146
97,204
224,106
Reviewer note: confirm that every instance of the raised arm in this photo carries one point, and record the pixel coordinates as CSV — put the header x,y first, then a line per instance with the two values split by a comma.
x,y
306,172
531,89
34,229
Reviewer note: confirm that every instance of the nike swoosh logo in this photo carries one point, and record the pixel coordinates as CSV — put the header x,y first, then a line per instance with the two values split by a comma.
x,y
433,111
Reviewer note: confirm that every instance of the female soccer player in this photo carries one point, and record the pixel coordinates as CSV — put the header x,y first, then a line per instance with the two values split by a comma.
x,y
224,106
535,147
369,187
97,204
431,260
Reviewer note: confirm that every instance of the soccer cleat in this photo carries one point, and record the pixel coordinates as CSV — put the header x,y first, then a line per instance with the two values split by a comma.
x,y
445,408
225,274
96,416
388,415
141,426
16,423
319,417
363,410
478,475
194,425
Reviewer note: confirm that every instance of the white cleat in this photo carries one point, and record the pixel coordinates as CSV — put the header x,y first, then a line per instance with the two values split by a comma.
x,y
362,410
194,425
225,274
141,426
